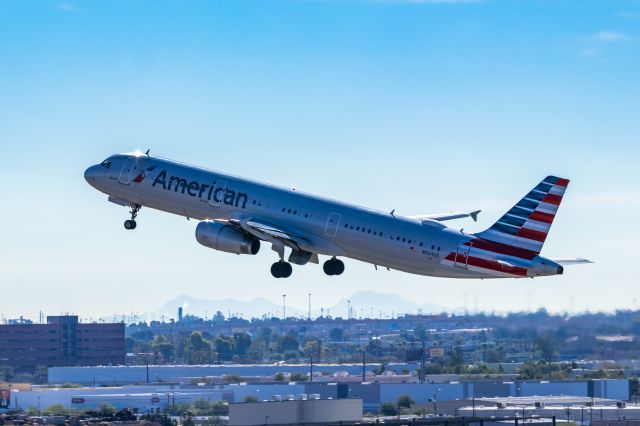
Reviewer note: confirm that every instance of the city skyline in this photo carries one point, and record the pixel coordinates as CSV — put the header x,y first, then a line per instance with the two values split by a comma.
x,y
419,106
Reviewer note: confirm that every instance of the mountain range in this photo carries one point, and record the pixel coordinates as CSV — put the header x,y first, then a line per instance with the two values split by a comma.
x,y
367,304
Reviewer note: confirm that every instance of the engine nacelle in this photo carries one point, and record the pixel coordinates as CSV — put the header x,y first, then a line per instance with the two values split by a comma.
x,y
226,238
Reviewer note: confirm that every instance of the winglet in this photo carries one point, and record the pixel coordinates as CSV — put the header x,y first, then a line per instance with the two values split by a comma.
x,y
474,215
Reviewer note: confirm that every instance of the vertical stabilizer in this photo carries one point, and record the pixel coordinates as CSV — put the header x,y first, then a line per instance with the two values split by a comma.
x,y
527,224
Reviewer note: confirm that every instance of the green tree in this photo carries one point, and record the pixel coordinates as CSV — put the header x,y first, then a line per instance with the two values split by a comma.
x,y
288,342
55,410
242,342
405,401
224,347
388,409
336,335
297,377
129,344
107,409
197,349
547,346
162,347
250,398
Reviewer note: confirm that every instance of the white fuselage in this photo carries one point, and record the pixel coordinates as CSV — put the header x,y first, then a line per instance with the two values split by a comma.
x,y
333,228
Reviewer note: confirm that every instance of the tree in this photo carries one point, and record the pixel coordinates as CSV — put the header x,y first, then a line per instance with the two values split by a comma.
x,y
388,409
197,348
55,410
242,342
224,347
547,346
161,346
405,401
129,343
250,398
289,342
107,409
279,377
297,377
6,373
336,335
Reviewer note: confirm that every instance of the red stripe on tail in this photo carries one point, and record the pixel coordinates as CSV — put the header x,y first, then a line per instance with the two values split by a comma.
x,y
532,235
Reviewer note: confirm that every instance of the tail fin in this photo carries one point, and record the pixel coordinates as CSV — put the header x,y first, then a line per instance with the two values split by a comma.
x,y
527,224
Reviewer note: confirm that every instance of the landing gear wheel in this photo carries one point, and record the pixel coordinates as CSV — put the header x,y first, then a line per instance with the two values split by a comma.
x,y
131,223
287,269
281,269
333,266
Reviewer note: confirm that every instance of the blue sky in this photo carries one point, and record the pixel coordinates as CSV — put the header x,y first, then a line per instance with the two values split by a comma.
x,y
422,106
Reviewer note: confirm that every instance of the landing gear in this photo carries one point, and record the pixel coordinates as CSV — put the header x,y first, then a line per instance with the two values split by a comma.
x,y
281,269
131,223
333,266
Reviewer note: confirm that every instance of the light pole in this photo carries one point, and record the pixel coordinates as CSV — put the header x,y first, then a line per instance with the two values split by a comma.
x,y
435,406
348,309
284,307
309,317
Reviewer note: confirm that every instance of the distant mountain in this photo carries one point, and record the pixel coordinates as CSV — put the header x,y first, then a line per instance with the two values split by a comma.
x,y
371,304
208,307
363,304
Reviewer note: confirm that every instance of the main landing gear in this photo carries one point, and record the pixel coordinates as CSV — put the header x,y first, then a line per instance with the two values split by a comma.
x,y
131,223
281,269
333,266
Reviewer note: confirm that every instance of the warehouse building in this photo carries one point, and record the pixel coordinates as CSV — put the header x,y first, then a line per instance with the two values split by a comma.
x,y
296,411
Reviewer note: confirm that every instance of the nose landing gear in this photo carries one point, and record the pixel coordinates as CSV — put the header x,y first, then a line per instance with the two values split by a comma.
x,y
131,223
333,266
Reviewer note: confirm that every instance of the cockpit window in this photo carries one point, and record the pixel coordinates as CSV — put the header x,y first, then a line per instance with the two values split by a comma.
x,y
106,163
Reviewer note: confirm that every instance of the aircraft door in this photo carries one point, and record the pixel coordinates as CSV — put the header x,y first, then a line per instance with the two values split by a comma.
x,y
127,170
331,229
217,195
462,256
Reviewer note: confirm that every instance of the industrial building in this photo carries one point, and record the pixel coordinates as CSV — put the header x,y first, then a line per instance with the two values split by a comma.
x,y
582,410
296,411
62,341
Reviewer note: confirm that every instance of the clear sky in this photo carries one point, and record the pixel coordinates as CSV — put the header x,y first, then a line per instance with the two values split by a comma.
x,y
424,106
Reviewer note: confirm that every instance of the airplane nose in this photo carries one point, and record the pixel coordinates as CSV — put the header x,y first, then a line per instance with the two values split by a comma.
x,y
91,174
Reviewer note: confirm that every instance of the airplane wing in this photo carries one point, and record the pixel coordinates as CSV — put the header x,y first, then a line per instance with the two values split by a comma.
x,y
575,261
447,216
284,236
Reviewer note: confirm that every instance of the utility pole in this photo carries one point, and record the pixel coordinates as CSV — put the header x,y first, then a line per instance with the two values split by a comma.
x,y
309,317
364,366
311,368
348,309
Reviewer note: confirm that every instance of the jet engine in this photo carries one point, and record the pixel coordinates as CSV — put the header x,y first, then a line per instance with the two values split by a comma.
x,y
226,238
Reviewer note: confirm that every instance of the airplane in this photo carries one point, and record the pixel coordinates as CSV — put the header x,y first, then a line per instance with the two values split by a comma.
x,y
237,214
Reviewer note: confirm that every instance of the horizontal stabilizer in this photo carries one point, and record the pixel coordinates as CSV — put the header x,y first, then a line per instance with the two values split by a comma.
x,y
576,261
447,216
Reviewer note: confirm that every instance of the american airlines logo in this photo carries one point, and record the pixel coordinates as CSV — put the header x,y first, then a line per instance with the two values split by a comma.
x,y
204,191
